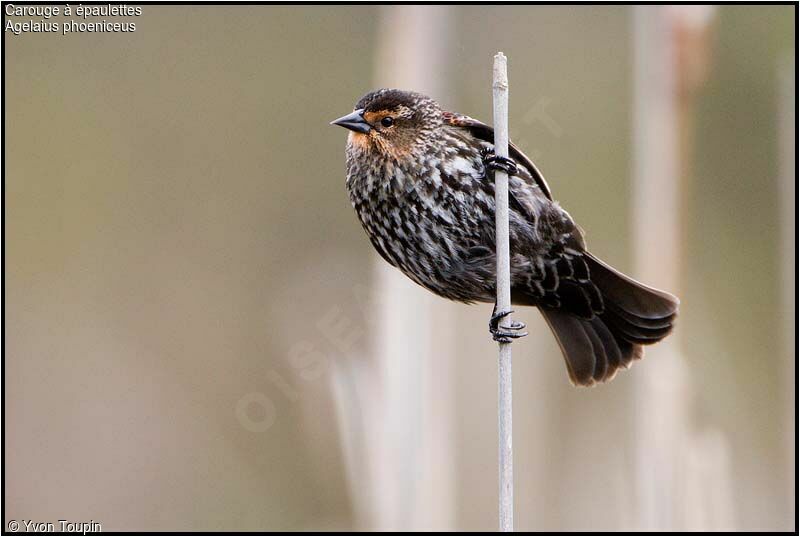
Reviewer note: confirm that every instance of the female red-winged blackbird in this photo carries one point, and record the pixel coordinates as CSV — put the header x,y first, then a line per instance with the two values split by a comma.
x,y
418,179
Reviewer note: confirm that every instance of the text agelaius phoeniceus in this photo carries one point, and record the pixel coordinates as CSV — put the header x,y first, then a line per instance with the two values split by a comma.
x,y
420,181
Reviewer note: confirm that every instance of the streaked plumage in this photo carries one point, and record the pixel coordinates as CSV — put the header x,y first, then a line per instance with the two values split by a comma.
x,y
417,180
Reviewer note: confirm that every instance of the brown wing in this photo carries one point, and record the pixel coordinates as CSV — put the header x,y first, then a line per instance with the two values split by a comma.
x,y
486,133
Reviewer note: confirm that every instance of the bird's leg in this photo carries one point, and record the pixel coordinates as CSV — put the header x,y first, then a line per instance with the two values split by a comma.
x,y
504,334
493,162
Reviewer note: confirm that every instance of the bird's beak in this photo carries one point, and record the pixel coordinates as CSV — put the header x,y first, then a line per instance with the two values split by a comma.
x,y
354,122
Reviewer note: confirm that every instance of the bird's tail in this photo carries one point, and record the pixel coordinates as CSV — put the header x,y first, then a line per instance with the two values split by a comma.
x,y
634,315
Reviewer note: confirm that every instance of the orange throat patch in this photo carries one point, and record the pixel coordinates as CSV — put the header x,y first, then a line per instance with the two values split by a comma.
x,y
359,140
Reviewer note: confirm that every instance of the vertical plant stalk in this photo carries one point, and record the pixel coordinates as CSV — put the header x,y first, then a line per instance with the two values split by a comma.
x,y
504,406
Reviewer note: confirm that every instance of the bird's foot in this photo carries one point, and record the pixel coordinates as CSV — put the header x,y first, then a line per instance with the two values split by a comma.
x,y
494,162
504,334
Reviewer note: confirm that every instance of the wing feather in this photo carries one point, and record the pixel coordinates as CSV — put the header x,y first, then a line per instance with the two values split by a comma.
x,y
484,132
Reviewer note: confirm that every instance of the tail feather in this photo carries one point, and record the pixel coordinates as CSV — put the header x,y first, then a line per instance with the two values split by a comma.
x,y
591,351
575,345
641,322
633,332
634,315
611,348
633,297
630,352
600,355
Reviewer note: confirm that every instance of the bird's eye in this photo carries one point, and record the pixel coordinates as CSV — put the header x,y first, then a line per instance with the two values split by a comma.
x,y
388,121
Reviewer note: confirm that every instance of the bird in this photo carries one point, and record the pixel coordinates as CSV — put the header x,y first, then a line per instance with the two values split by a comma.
x,y
420,179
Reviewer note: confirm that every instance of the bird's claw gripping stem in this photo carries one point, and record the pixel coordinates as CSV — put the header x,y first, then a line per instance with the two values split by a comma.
x,y
494,162
504,334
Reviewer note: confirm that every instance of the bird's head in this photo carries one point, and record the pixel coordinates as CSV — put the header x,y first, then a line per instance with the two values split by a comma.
x,y
392,123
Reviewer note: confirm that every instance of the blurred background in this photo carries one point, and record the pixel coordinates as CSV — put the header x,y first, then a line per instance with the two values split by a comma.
x,y
199,336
